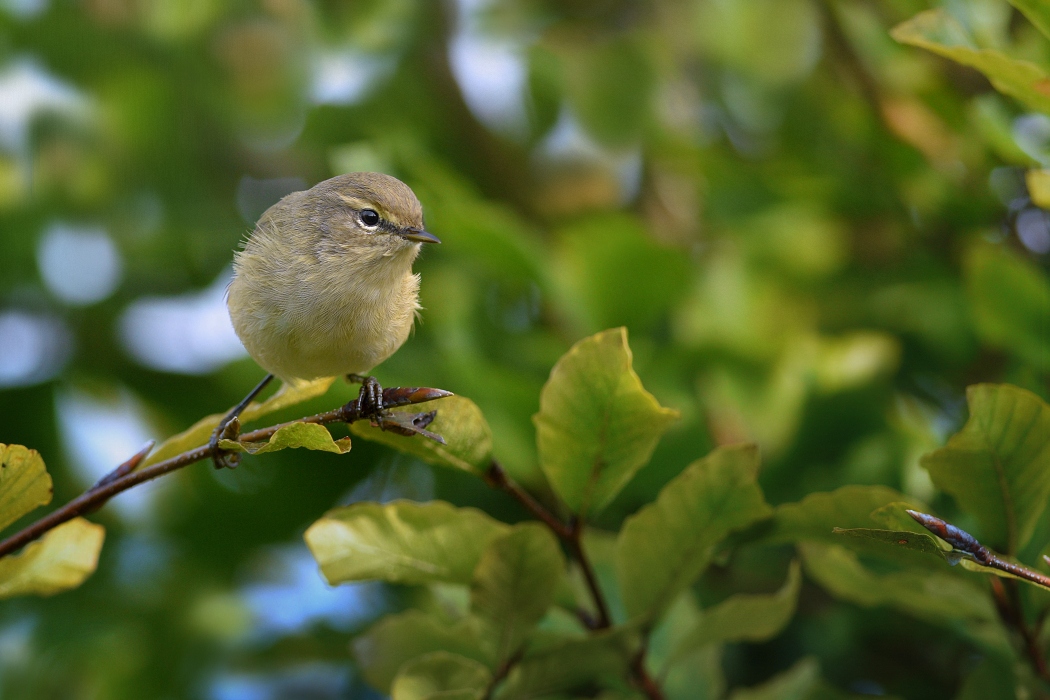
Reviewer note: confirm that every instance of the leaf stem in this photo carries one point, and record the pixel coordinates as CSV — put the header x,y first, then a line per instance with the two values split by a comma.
x,y
572,534
124,477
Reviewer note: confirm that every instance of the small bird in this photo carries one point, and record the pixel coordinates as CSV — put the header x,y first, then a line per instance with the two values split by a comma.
x,y
324,285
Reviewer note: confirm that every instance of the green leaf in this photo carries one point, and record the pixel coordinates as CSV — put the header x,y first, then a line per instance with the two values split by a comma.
x,y
312,436
401,542
468,440
665,546
610,86
24,482
597,426
441,674
744,617
930,596
913,541
572,665
696,676
1037,12
794,684
514,584
61,560
200,432
937,31
385,647
816,515
1010,298
993,679
995,467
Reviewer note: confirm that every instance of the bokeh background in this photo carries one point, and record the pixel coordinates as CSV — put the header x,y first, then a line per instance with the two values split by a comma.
x,y
816,238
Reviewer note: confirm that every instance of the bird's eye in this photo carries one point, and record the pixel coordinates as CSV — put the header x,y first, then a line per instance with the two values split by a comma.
x,y
369,217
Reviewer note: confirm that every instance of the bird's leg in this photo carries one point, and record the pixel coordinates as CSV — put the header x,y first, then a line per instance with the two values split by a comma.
x,y
370,399
230,426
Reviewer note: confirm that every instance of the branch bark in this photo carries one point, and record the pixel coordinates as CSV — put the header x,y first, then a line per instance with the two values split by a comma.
x,y
124,476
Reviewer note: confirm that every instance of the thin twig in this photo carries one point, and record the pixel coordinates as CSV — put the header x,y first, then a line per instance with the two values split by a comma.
x,y
965,542
121,479
496,477
1009,606
575,541
642,678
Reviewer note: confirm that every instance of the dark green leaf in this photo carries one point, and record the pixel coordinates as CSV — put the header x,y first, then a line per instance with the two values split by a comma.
x,y
597,425
1037,12
1010,298
664,547
794,684
744,617
816,515
386,646
571,665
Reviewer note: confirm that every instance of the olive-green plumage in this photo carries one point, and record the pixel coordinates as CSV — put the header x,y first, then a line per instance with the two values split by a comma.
x,y
324,285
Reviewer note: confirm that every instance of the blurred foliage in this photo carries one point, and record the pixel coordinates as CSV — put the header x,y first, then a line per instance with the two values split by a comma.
x,y
817,238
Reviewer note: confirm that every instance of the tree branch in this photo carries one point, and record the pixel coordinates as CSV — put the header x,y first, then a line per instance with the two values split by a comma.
x,y
572,534
124,477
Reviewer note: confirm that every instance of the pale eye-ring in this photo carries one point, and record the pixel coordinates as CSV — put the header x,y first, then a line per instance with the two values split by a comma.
x,y
369,217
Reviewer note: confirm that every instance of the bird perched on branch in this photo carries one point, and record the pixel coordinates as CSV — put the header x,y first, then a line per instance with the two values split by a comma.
x,y
324,285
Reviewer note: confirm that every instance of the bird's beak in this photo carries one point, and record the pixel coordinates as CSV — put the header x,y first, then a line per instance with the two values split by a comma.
x,y
419,235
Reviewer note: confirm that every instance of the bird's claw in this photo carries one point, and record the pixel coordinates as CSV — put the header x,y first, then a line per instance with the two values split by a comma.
x,y
226,430
372,403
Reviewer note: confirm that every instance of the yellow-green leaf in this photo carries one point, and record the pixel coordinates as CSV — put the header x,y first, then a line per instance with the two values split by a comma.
x,y
996,466
24,482
468,440
937,31
441,674
200,432
797,683
1037,12
665,546
401,542
61,560
1038,182
597,425
311,436
514,585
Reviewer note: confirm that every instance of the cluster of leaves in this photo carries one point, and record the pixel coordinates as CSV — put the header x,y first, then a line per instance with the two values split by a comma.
x,y
810,229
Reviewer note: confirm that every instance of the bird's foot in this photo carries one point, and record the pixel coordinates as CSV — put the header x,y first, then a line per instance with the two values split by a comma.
x,y
228,429
370,404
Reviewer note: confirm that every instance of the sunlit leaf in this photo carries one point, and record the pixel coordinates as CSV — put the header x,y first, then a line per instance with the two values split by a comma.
x,y
401,542
387,645
514,584
441,675
744,617
995,467
200,432
572,665
597,426
665,546
60,560
794,684
311,436
24,482
937,31
468,440
1010,298
916,542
